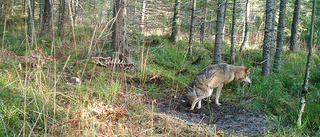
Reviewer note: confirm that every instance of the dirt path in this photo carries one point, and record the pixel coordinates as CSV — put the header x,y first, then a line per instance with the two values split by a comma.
x,y
229,118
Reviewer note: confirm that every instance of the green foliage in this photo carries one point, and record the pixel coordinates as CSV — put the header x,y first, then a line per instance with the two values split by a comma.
x,y
106,88
21,105
279,93
26,96
277,96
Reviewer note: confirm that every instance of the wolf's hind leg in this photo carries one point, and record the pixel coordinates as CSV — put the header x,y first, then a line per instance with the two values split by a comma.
x,y
209,98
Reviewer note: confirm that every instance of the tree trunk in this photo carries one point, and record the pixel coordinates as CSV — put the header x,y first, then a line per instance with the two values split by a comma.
x,y
119,43
30,19
46,18
295,26
267,39
135,7
75,12
280,37
246,27
219,33
224,18
304,90
62,9
40,14
143,14
176,22
203,26
233,30
192,27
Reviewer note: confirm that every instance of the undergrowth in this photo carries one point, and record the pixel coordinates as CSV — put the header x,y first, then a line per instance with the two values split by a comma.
x,y
37,99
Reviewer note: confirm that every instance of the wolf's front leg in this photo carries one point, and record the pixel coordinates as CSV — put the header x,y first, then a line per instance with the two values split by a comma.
x,y
218,94
199,104
194,103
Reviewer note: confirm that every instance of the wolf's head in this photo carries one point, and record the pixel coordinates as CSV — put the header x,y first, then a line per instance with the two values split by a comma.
x,y
190,95
242,74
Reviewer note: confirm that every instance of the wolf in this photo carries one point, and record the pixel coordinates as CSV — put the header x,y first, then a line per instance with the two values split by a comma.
x,y
214,76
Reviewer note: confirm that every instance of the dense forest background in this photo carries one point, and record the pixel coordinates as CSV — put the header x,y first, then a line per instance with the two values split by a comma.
x,y
119,68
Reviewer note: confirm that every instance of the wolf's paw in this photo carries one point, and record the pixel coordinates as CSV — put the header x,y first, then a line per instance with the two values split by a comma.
x,y
218,104
192,108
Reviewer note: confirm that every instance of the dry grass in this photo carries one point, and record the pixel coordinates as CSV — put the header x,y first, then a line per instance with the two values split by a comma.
x,y
123,118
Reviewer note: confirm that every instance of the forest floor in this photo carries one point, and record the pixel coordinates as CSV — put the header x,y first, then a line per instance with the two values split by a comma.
x,y
148,100
230,118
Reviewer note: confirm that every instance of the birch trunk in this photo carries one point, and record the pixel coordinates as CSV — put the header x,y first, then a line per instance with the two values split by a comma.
x,y
304,90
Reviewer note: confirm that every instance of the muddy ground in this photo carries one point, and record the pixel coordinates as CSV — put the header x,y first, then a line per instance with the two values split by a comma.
x,y
231,118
